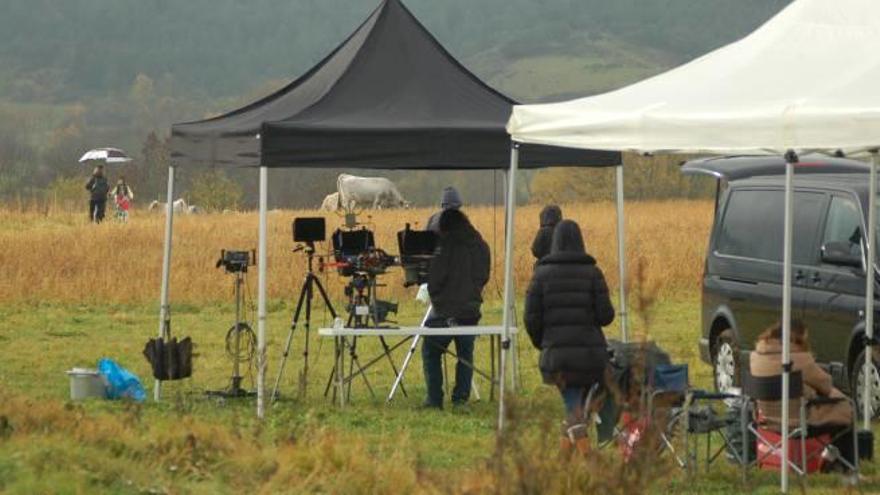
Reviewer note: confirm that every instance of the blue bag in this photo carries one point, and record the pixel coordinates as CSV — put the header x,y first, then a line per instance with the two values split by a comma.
x,y
121,383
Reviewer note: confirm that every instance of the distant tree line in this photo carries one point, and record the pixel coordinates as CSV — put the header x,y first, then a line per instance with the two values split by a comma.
x,y
79,74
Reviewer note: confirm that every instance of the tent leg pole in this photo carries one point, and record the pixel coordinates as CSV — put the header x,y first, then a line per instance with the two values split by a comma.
x,y
508,279
867,411
790,159
621,255
261,295
514,351
164,310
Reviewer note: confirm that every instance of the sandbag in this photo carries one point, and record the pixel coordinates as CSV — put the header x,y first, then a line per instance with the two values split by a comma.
x,y
171,360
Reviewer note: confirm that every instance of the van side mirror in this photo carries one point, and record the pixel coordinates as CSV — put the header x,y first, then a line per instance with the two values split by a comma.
x,y
841,254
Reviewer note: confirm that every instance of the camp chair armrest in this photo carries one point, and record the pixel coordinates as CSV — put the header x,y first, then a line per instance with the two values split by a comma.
x,y
824,401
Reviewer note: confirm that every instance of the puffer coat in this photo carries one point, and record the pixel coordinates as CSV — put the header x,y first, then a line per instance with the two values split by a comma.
x,y
567,305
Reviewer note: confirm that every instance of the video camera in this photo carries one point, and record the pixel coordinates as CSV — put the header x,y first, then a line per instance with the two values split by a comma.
x,y
417,248
355,252
236,261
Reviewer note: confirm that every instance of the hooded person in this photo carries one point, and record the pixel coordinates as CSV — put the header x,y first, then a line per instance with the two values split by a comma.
x,y
450,199
567,304
458,273
550,216
98,188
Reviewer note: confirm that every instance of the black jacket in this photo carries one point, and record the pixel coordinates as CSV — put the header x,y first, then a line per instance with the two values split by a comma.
x,y
550,216
98,187
567,304
458,273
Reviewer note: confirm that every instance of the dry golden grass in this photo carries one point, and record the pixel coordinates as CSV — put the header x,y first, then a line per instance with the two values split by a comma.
x,y
59,257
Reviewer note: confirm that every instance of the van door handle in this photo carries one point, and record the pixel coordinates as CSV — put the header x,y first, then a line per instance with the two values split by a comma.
x,y
799,275
817,278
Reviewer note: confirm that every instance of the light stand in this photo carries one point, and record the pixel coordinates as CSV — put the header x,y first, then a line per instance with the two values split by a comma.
x,y
239,269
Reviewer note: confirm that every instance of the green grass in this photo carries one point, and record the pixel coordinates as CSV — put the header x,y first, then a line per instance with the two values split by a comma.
x,y
114,447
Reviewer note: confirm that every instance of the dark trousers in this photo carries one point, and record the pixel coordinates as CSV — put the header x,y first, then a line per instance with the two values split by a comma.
x,y
96,210
433,348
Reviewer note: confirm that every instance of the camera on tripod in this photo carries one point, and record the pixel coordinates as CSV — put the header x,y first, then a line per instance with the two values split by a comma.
x,y
355,252
236,261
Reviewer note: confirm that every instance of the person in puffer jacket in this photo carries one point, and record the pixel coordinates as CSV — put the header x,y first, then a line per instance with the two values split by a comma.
x,y
550,216
567,304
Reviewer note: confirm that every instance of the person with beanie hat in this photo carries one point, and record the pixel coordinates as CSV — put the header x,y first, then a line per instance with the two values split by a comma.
x,y
450,199
459,272
550,216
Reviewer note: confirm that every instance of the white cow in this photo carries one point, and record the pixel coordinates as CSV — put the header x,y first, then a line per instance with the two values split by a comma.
x,y
368,192
331,202
179,206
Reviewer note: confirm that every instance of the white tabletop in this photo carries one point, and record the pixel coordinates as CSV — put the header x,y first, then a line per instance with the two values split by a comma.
x,y
411,331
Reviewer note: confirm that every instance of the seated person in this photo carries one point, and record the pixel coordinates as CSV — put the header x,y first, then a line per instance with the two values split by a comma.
x,y
766,360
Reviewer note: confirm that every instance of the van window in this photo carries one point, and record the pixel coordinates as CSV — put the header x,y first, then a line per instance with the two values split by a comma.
x,y
844,224
753,225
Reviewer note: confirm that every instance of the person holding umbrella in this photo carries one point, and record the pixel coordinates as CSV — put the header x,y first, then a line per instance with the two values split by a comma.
x,y
98,188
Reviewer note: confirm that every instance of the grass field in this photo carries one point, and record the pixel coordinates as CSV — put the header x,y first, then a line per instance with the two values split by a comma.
x,y
74,293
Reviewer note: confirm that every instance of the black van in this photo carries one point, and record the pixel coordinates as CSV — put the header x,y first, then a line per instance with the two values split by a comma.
x,y
742,279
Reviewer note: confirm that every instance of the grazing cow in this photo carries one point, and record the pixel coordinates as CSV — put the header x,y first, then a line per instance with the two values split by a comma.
x,y
179,206
368,192
331,202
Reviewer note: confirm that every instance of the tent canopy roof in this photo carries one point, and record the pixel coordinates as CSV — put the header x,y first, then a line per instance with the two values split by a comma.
x,y
389,96
805,80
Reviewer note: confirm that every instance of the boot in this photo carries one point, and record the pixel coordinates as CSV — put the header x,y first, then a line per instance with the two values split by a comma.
x,y
576,433
583,446
566,447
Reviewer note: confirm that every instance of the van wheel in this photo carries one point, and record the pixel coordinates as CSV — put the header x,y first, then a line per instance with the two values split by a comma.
x,y
724,361
858,378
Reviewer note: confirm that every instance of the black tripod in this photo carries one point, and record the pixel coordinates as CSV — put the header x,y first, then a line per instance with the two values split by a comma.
x,y
306,294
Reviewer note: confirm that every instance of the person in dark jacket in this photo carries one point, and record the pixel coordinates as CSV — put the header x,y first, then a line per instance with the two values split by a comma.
x,y
98,188
567,304
450,199
550,216
459,271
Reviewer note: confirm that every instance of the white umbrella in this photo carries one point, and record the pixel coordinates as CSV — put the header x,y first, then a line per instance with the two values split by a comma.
x,y
106,155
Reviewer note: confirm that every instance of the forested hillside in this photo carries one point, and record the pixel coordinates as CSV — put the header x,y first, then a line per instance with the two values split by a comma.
x,y
82,73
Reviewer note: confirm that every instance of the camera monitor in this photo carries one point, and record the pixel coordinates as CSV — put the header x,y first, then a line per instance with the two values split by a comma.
x,y
309,229
347,243
416,242
416,251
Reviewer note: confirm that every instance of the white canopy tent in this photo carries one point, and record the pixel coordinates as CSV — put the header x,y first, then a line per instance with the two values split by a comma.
x,y
807,80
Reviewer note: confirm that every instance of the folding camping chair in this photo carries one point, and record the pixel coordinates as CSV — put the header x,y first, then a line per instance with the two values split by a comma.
x,y
662,401
810,445
704,421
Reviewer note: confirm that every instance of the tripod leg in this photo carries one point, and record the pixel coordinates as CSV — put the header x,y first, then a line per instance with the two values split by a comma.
x,y
316,282
304,375
299,305
390,360
403,367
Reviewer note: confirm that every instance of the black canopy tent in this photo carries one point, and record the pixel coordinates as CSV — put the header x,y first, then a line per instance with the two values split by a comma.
x,y
389,97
